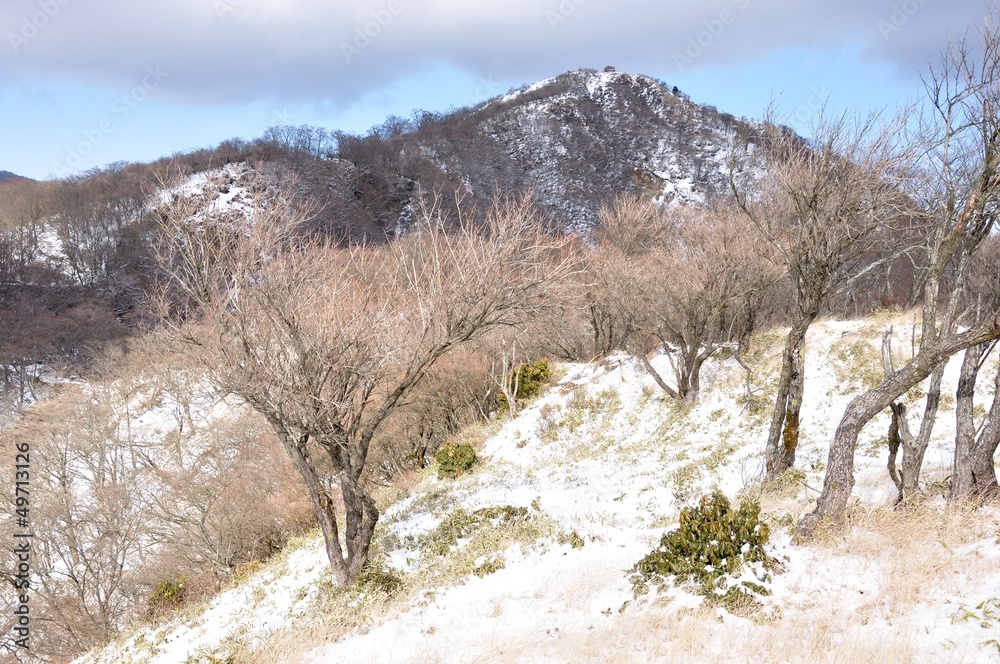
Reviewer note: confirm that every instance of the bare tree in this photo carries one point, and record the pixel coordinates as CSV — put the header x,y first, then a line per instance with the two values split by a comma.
x,y
144,474
327,343
23,209
974,474
92,216
827,207
222,492
89,517
302,140
960,196
684,282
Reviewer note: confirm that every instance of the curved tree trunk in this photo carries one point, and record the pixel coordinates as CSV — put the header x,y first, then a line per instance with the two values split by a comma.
x,y
651,370
839,480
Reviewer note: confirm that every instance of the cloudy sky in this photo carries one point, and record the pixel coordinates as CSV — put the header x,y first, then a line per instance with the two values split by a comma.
x,y
87,82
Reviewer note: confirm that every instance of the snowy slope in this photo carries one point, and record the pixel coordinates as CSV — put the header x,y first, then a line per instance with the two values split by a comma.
x,y
603,460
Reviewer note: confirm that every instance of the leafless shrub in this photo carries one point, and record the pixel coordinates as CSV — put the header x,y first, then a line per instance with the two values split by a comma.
x,y
140,476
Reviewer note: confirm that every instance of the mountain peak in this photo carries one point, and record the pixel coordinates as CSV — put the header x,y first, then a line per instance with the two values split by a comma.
x,y
577,139
577,81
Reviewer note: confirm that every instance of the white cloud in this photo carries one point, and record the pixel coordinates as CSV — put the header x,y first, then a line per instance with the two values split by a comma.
x,y
314,50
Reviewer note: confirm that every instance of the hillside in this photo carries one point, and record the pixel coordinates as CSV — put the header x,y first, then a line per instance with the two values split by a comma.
x,y
573,141
271,347
7,176
525,559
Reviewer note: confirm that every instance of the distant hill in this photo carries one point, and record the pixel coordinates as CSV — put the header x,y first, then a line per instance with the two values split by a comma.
x,y
7,175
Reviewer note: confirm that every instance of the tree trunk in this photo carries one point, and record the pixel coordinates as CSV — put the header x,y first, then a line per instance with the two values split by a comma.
x,y
914,448
839,480
671,392
965,425
895,439
687,370
984,475
694,380
322,502
361,517
907,481
783,437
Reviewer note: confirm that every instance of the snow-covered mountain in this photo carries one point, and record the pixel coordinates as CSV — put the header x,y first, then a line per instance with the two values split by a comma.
x,y
573,141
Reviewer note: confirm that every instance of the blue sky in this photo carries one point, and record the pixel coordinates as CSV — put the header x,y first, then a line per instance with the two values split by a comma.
x,y
84,83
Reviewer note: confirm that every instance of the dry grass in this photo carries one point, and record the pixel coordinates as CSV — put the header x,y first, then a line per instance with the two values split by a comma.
x,y
700,636
338,612
915,550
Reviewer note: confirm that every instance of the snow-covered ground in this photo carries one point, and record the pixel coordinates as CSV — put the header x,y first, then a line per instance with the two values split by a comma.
x,y
600,466
223,183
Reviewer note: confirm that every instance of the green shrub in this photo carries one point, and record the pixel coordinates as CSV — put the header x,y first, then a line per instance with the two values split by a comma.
x,y
489,567
712,544
168,595
454,459
525,381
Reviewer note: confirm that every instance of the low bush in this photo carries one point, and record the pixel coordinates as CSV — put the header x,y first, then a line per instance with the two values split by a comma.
x,y
462,524
718,549
168,595
378,577
454,459
525,381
